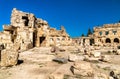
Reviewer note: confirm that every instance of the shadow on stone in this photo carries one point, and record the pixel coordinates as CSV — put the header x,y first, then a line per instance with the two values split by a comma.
x,y
20,62
61,60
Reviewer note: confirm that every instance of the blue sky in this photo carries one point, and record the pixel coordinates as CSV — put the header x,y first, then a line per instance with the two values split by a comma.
x,y
75,15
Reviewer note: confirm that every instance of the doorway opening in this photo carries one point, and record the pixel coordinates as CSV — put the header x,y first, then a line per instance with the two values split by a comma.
x,y
42,41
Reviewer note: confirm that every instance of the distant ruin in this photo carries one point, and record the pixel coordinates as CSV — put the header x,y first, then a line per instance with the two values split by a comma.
x,y
107,35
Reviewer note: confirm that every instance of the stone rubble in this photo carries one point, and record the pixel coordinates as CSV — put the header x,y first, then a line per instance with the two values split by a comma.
x,y
82,68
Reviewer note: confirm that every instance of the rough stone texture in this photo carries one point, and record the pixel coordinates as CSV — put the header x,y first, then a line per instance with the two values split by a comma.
x,y
60,60
8,57
105,58
100,76
37,55
118,52
97,54
111,77
26,31
55,49
29,31
56,76
64,69
106,35
115,74
74,57
82,68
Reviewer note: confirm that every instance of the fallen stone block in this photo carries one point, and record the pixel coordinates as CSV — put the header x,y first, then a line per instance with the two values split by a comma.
x,y
97,54
9,57
60,60
105,58
118,52
54,49
56,76
74,57
115,74
82,68
100,76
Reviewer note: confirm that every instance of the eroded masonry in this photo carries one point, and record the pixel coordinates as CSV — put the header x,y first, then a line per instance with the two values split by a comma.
x,y
107,35
27,31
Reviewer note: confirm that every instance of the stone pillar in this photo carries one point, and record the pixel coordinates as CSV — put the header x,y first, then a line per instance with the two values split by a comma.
x,y
103,33
47,41
112,40
81,42
37,42
87,41
96,41
55,41
110,33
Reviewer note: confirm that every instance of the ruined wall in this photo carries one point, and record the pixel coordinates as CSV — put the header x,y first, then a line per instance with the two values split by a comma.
x,y
22,19
107,34
5,39
25,23
59,37
41,32
28,31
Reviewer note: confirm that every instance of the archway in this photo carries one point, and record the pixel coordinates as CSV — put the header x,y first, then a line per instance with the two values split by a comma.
x,y
116,40
108,40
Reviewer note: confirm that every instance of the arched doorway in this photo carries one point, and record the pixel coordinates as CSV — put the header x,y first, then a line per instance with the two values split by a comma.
x,y
116,40
108,40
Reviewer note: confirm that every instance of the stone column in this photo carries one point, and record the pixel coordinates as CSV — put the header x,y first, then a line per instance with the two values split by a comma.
x,y
103,33
37,40
47,41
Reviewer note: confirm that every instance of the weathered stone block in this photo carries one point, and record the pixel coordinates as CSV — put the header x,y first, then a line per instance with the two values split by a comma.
x,y
97,54
105,58
100,76
74,57
56,76
118,52
9,57
60,60
82,68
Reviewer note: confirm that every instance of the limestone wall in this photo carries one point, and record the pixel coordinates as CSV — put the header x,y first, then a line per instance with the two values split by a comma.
x,y
22,19
107,34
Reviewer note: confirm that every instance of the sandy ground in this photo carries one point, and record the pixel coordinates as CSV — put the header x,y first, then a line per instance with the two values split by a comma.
x,y
37,64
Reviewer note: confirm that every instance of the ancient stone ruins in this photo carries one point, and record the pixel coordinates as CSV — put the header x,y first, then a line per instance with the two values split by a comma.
x,y
107,35
26,31
31,49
